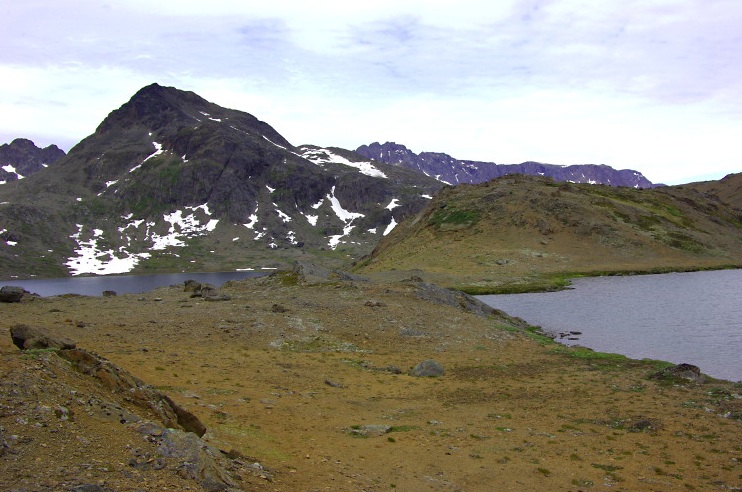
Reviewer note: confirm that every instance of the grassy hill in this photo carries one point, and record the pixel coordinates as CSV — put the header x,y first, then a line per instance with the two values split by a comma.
x,y
522,233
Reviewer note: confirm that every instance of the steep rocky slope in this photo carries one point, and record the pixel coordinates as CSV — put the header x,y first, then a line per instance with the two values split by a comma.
x,y
170,181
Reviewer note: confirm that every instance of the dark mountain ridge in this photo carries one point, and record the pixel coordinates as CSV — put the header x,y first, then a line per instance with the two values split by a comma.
x,y
170,181
454,171
21,158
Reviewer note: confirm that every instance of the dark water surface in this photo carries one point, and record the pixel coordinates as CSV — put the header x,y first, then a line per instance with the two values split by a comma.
x,y
678,317
123,284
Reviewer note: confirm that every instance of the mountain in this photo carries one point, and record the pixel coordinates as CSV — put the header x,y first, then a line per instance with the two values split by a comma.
x,y
21,158
453,171
522,232
171,182
727,190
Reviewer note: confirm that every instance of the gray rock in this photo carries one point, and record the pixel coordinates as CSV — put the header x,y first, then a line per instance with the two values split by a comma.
x,y
370,430
681,371
196,460
428,368
4,446
89,487
455,298
10,293
27,337
192,286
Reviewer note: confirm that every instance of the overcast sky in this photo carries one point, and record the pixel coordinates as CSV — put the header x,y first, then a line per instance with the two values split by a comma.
x,y
651,85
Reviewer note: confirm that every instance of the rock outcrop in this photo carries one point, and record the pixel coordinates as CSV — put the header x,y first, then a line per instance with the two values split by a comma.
x,y
110,376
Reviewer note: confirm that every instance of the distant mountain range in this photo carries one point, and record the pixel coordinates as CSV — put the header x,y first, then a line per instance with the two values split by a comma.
x,y
453,171
172,182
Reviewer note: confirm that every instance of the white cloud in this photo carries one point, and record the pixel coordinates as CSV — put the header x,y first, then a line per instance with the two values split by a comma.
x,y
650,85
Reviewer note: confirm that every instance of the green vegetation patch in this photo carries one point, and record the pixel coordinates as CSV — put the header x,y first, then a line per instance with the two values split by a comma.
x,y
454,219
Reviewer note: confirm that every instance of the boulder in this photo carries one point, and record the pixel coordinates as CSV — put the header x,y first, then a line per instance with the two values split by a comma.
x,y
4,446
454,298
10,293
681,371
27,337
428,368
197,460
192,286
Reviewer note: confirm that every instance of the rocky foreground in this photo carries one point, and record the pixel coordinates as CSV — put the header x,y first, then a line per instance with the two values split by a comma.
x,y
313,380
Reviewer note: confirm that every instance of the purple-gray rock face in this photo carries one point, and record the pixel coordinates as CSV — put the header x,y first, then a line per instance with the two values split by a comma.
x,y
21,158
453,171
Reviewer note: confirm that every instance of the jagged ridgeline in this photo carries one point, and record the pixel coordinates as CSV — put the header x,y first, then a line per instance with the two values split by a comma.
x,y
519,230
170,182
454,171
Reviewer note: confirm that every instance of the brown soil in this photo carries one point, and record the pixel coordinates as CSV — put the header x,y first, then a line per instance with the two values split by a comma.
x,y
288,376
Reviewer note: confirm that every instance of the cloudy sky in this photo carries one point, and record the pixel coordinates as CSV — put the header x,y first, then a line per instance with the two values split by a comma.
x,y
651,85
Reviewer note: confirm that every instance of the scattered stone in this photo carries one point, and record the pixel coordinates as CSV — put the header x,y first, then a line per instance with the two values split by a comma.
x,y
4,446
370,430
681,371
333,384
277,308
374,304
217,298
192,286
411,332
109,293
27,337
197,460
89,487
450,297
208,291
428,368
644,425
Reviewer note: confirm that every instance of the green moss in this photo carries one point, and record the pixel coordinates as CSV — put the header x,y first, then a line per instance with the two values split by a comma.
x,y
443,217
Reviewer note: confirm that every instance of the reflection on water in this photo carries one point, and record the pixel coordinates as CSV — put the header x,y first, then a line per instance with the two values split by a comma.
x,y
123,284
679,317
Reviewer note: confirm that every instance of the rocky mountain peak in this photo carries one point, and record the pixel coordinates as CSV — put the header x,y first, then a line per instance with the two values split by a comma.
x,y
22,158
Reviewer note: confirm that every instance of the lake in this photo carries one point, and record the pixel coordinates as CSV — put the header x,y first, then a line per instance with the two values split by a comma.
x,y
124,284
678,317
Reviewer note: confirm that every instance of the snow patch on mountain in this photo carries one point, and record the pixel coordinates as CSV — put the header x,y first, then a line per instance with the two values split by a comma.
x,y
320,156
92,259
391,226
346,216
158,151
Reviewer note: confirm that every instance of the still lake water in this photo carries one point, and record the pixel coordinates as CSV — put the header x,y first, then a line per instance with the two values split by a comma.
x,y
678,317
123,284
